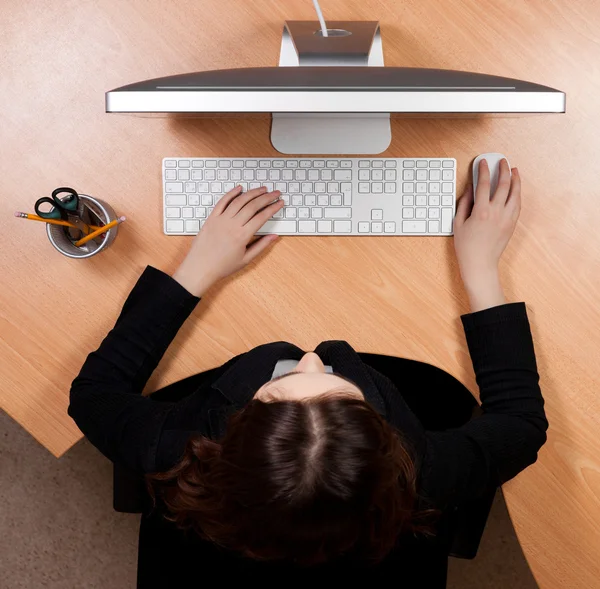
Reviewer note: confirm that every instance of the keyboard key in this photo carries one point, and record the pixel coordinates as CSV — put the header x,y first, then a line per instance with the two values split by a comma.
x,y
434,200
249,163
421,187
333,164
303,213
297,200
260,175
278,226
342,175
435,175
216,187
197,174
421,164
176,200
320,187
274,175
364,175
210,175
202,187
338,213
225,164
447,164
377,164
377,227
313,174
376,214
279,163
300,174
264,164
409,163
335,200
290,212
421,200
278,214
324,226
197,163
200,212
249,174
364,187
307,227
407,187
447,200
389,187
190,187
316,213
390,175
281,186
184,163
319,163
346,164
193,199
434,187
346,190
237,164
364,227
434,226
377,187
389,227
207,200
447,187
170,164
174,225
364,164
287,175
434,213
173,212
408,200
377,175
333,187
435,163
414,226
310,200
421,213
170,174
305,164
342,226
291,164
408,213
192,226
294,186
326,175
323,200
227,186
173,186
236,175
408,175
390,164
448,175
446,220
421,175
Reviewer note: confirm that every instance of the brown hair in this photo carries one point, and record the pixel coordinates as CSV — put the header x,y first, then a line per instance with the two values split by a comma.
x,y
304,481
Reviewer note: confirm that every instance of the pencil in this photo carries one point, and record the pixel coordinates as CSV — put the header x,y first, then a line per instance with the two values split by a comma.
x,y
100,231
53,221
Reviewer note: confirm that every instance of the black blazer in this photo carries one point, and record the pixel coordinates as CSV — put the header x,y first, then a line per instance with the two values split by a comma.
x,y
148,435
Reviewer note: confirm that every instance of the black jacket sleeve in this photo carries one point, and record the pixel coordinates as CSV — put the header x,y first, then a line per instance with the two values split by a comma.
x,y
106,398
491,449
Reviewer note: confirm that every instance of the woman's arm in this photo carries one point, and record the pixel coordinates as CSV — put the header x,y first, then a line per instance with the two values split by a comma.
x,y
462,463
106,401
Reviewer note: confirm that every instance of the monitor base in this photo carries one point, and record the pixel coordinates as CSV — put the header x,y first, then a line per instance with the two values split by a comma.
x,y
331,133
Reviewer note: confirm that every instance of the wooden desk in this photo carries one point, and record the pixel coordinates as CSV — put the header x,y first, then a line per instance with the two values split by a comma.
x,y
392,296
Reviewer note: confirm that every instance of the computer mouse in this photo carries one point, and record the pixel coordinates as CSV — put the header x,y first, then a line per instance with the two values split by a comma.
x,y
493,160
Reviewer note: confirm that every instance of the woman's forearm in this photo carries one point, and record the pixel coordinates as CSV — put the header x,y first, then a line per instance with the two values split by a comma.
x,y
484,291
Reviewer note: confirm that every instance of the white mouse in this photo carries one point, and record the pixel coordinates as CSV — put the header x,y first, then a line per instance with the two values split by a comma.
x,y
493,160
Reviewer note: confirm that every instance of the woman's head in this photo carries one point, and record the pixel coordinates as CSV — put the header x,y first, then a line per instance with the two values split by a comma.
x,y
304,477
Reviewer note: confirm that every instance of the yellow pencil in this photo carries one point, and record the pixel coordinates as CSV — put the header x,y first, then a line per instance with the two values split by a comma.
x,y
53,221
100,231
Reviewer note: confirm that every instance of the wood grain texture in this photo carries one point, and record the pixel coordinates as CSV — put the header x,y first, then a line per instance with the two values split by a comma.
x,y
393,296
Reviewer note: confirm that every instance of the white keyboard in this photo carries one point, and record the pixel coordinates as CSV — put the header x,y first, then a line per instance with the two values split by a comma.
x,y
349,196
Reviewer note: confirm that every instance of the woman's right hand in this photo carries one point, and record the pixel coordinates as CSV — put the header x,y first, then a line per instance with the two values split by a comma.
x,y
482,230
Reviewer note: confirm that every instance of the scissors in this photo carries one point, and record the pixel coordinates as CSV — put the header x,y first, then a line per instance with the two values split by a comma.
x,y
61,208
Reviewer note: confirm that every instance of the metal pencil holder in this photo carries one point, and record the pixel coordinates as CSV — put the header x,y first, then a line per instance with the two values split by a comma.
x,y
91,211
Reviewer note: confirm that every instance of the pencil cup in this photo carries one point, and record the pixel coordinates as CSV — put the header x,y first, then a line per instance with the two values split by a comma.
x,y
92,211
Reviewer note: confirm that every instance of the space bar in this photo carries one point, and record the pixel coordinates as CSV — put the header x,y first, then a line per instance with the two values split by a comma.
x,y
278,227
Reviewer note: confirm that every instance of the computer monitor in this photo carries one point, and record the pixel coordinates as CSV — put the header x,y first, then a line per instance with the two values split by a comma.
x,y
332,94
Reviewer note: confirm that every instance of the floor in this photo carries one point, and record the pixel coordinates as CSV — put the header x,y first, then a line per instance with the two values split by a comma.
x,y
58,529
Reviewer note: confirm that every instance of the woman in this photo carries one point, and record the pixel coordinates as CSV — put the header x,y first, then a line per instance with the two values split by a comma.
x,y
301,459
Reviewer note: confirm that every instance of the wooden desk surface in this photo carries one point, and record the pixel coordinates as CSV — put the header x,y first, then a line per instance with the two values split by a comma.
x,y
392,296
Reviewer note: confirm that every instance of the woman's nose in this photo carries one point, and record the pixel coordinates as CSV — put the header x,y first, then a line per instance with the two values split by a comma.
x,y
310,362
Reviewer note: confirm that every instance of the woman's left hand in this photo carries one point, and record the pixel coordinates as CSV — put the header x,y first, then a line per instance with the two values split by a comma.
x,y
221,247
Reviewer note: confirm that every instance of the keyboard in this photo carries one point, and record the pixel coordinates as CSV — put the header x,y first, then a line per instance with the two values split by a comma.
x,y
348,196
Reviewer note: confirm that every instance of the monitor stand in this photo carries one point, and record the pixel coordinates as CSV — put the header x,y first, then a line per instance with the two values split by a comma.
x,y
350,43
